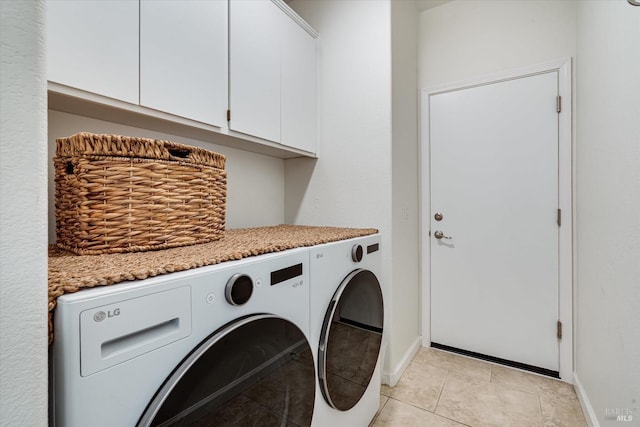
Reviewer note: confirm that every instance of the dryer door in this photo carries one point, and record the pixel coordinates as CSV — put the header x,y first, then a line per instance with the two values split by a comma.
x,y
350,339
256,371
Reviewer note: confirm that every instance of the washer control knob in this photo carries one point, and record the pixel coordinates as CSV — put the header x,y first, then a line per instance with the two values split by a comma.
x,y
239,289
356,253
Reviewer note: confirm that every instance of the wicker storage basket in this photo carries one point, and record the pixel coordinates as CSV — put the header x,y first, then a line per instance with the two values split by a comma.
x,y
123,194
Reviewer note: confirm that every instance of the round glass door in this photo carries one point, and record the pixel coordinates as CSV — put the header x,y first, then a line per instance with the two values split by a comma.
x,y
350,340
257,371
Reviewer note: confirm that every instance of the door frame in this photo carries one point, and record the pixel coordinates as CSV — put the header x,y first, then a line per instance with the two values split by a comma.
x,y
565,195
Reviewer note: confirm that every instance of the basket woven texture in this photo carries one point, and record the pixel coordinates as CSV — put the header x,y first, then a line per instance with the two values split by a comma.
x,y
70,273
123,194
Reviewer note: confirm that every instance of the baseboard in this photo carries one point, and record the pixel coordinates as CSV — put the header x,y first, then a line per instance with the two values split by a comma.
x,y
392,378
587,409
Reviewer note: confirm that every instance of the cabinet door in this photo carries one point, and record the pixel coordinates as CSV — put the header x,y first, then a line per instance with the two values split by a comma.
x,y
299,115
93,46
254,68
183,58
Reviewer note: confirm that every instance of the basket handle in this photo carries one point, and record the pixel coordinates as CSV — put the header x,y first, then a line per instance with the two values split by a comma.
x,y
179,152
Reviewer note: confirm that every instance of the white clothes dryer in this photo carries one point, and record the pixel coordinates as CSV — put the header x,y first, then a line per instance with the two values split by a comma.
x,y
347,321
223,345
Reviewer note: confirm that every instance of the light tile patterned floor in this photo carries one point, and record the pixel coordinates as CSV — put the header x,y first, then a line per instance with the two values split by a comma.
x,y
443,389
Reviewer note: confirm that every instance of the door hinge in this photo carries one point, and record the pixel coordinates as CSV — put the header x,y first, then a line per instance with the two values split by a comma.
x,y
558,103
559,330
228,115
559,217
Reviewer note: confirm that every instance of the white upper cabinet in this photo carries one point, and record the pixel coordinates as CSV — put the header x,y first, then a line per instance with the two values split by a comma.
x,y
93,46
185,64
299,99
183,58
254,68
272,74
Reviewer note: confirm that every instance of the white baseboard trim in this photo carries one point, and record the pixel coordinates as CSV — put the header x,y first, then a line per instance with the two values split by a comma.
x,y
392,378
587,409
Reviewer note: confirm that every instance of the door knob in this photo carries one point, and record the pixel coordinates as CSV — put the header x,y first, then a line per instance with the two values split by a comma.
x,y
440,235
438,216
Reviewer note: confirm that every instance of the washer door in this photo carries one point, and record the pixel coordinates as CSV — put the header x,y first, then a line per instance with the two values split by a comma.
x,y
257,371
350,339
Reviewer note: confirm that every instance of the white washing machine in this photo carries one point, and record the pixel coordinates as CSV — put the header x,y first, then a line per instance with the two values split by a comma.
x,y
347,319
219,345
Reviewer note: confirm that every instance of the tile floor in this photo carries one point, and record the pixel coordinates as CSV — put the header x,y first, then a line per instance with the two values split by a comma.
x,y
443,389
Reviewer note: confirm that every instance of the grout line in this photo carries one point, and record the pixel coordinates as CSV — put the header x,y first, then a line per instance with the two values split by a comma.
x,y
375,418
411,404
540,407
432,412
455,421
444,383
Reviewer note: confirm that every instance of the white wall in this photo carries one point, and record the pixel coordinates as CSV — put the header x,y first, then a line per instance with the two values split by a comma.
x,y
608,208
405,329
23,215
468,39
350,183
255,182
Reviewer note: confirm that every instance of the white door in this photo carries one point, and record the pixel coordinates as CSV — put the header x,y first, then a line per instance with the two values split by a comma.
x,y
494,252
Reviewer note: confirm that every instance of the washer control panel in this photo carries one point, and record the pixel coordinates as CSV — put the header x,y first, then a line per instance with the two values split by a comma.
x,y
356,253
286,274
239,289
